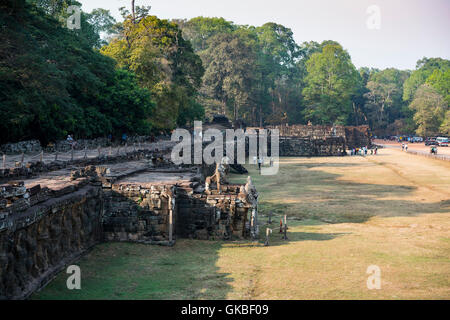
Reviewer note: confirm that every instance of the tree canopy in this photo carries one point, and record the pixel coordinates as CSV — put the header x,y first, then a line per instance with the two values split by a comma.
x,y
52,82
164,63
330,85
146,74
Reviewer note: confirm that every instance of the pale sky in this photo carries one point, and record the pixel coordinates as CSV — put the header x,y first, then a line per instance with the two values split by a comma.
x,y
409,29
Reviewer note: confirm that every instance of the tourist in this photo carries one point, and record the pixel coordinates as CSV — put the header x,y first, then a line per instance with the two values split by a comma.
x,y
254,160
71,141
376,150
124,138
271,161
406,147
259,164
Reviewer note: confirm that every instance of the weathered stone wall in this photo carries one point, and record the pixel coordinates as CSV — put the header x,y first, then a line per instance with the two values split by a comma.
x,y
64,145
213,215
306,140
357,137
22,146
138,214
143,213
311,132
37,241
332,146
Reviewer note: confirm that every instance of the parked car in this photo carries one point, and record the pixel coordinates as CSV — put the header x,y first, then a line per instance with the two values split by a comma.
x,y
417,139
431,142
442,141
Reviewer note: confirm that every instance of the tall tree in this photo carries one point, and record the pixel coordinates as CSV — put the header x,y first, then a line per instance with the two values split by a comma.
x,y
384,97
230,70
330,85
425,67
164,63
430,110
200,29
279,57
53,83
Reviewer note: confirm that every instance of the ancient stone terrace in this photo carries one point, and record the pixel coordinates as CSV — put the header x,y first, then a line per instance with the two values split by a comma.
x,y
48,221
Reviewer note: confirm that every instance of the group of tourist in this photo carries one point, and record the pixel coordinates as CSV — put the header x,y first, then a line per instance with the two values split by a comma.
x,y
364,151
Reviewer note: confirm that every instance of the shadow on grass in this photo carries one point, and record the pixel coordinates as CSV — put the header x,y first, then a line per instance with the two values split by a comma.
x,y
115,271
276,239
133,271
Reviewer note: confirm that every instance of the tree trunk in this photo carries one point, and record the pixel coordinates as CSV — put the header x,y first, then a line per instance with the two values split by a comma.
x,y
260,116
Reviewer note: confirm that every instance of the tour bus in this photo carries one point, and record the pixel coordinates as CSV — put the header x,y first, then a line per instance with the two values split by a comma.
x,y
442,141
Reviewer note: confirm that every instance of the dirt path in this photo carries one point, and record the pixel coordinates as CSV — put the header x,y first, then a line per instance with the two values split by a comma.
x,y
431,174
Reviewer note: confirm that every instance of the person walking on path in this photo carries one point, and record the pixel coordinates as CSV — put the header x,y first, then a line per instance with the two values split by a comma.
x,y
71,141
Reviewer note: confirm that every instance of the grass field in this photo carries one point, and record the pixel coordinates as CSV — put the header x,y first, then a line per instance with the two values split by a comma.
x,y
344,214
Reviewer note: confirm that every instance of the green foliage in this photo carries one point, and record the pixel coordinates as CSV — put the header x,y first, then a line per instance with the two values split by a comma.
x,y
230,71
53,83
200,30
251,73
163,74
384,102
425,67
430,110
429,83
164,63
440,80
330,85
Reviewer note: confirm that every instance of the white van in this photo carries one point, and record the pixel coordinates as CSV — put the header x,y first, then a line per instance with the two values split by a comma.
x,y
442,141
